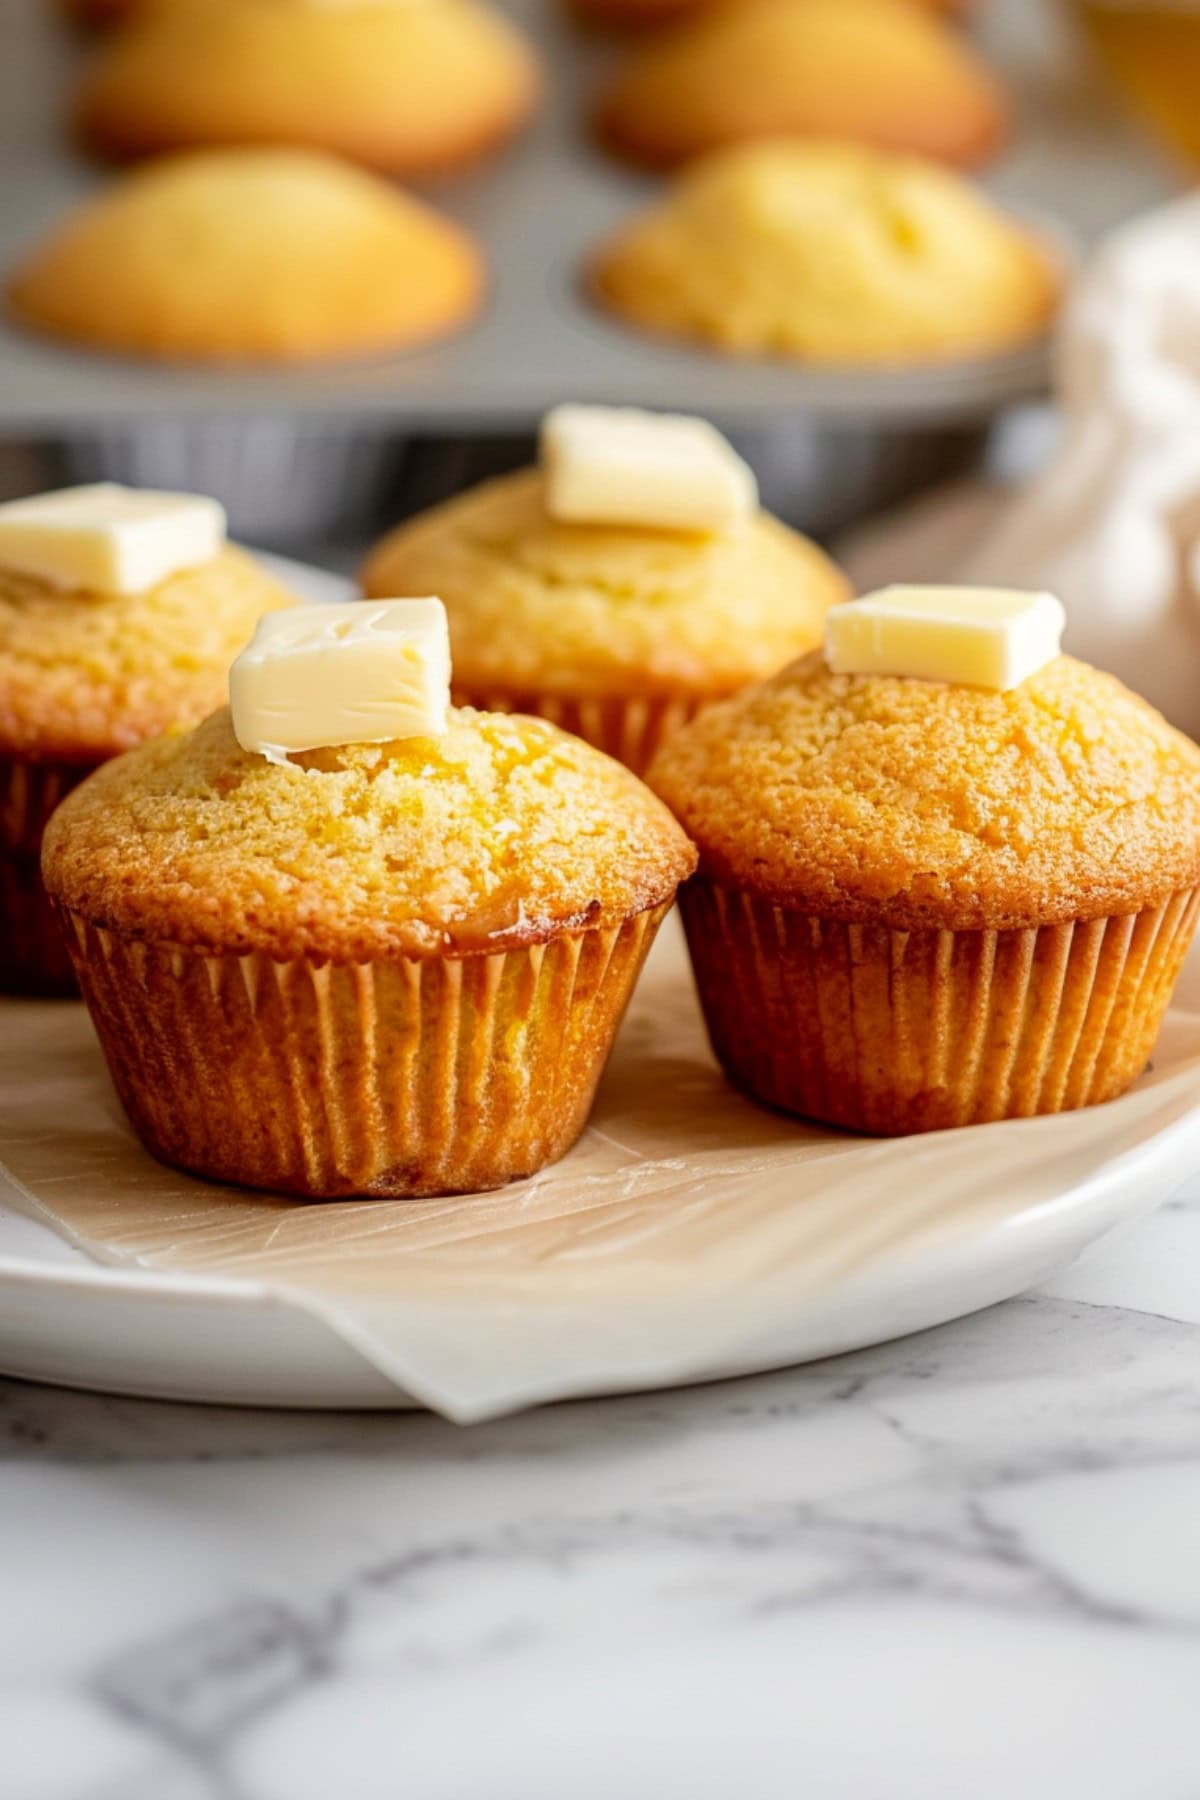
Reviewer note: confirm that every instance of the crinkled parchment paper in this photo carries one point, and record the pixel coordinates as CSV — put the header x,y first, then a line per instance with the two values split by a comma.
x,y
689,1233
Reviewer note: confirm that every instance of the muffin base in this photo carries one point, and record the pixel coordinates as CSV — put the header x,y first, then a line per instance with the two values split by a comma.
x,y
630,729
399,1078
891,1032
33,956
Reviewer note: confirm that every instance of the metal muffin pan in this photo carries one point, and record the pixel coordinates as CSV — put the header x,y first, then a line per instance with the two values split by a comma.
x,y
852,437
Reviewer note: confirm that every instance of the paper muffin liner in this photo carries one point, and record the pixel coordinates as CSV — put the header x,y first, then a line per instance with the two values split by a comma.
x,y
627,728
902,1031
399,1078
33,956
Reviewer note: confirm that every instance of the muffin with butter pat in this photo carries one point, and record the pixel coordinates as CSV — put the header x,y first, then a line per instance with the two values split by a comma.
x,y
832,254
250,256
345,939
947,875
401,86
120,611
867,71
620,585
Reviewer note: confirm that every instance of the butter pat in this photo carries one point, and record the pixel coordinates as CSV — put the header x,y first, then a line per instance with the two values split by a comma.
x,y
981,637
616,465
361,672
107,539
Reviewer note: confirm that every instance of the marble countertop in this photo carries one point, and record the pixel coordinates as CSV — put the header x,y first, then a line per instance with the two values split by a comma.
x,y
966,1565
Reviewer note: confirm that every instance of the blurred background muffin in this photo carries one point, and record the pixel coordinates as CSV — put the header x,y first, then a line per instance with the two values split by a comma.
x,y
250,256
406,88
878,71
648,15
828,253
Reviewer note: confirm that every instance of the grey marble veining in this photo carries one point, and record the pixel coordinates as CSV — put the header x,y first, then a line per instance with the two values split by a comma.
x,y
967,1564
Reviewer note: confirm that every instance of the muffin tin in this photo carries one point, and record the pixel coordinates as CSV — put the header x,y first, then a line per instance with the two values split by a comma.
x,y
854,438
537,209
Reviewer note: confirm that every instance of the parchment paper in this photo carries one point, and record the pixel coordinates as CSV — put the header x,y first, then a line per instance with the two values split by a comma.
x,y
685,1227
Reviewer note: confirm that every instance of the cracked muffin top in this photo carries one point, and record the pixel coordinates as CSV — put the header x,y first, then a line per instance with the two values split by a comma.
x,y
503,832
828,253
596,609
911,804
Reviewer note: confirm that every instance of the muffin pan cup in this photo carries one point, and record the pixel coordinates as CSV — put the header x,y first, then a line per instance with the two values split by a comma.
x,y
397,1078
33,956
891,1032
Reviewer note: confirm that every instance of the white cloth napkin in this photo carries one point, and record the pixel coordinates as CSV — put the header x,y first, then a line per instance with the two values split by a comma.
x,y
1113,523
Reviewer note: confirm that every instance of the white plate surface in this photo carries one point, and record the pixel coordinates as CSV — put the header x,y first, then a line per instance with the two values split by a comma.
x,y
1013,1203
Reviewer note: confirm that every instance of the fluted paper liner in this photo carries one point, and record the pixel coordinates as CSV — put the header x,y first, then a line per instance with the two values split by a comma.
x,y
690,1233
905,1031
628,728
33,956
395,1077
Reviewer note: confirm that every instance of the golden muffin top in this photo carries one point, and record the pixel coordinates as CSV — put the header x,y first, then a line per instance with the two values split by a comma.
x,y
643,15
250,256
911,804
831,254
505,831
597,609
407,89
864,70
84,676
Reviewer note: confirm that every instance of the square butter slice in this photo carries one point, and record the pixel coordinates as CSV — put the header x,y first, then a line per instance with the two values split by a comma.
x,y
618,465
980,637
108,539
358,672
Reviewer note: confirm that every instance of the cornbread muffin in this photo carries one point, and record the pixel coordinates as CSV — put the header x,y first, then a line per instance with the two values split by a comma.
x,y
616,633
827,253
250,256
639,15
83,677
393,969
864,70
924,905
406,89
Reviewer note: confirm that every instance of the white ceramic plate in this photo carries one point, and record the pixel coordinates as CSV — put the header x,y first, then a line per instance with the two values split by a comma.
x,y
690,1236
65,1320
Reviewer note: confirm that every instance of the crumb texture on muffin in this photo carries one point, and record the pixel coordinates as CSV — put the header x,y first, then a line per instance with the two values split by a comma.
x,y
405,89
250,256
504,832
85,676
865,70
535,603
912,804
828,253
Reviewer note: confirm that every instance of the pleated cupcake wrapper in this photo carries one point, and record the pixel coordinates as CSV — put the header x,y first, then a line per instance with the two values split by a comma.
x,y
33,956
901,1031
398,1078
629,729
